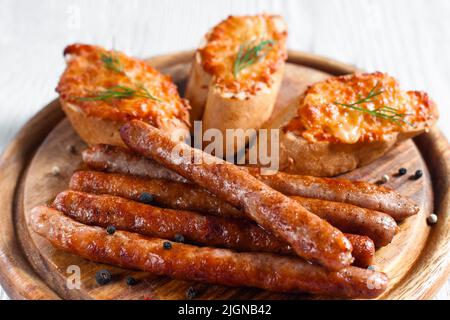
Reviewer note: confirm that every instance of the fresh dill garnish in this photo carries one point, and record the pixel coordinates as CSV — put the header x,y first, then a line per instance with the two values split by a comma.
x,y
385,112
121,92
112,63
248,55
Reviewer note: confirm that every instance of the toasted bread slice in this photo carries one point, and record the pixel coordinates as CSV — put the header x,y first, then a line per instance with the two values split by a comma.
x,y
100,90
345,122
227,91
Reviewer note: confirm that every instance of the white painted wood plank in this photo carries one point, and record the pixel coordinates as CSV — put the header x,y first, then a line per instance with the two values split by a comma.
x,y
410,39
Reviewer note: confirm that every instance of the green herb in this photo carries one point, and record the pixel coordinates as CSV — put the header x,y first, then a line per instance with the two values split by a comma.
x,y
248,55
121,92
384,112
112,63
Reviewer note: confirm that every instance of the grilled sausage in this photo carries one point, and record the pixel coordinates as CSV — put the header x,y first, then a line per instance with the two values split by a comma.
x,y
378,226
238,234
103,157
187,262
361,194
310,237
105,210
165,193
363,250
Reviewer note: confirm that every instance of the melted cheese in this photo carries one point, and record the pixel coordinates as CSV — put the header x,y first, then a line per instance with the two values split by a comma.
x,y
320,116
86,75
222,46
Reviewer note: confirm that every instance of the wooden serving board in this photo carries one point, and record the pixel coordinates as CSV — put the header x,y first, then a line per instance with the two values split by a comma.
x,y
417,261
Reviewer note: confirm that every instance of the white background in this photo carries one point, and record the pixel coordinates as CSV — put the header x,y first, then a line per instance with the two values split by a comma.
x,y
409,39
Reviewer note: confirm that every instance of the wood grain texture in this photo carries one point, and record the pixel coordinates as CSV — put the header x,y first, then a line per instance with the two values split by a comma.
x,y
407,38
410,253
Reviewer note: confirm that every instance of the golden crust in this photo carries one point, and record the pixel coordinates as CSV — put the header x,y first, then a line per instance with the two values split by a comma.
x,y
87,75
222,46
307,143
225,99
223,113
320,117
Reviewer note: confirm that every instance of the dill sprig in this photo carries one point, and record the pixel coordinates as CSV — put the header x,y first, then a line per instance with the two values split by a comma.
x,y
248,55
112,63
385,112
121,92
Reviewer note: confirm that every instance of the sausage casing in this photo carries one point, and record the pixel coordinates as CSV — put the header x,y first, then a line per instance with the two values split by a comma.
x,y
124,214
310,237
237,234
361,194
219,266
378,226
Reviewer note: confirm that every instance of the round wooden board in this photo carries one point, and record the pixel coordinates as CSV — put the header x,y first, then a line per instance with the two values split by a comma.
x,y
30,268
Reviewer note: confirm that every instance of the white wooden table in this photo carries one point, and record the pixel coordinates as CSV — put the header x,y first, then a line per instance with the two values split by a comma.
x,y
409,39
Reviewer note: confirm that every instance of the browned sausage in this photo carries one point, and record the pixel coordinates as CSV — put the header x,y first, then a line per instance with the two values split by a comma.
x,y
105,210
238,234
166,193
363,250
310,237
378,226
103,157
220,266
361,194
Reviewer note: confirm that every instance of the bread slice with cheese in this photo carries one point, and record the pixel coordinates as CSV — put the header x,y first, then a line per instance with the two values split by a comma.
x,y
100,90
236,74
348,121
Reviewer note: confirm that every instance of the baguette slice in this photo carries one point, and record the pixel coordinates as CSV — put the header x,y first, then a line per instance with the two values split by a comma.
x,y
140,92
225,98
321,137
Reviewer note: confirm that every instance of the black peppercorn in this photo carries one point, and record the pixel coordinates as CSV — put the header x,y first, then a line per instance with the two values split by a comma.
x,y
167,245
146,197
130,281
179,238
191,293
418,174
103,277
402,171
110,229
71,148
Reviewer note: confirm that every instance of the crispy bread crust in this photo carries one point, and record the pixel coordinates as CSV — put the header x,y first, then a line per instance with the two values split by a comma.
x,y
223,100
308,144
97,120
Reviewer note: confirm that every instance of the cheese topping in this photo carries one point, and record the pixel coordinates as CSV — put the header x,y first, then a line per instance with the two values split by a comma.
x,y
89,75
223,43
324,113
